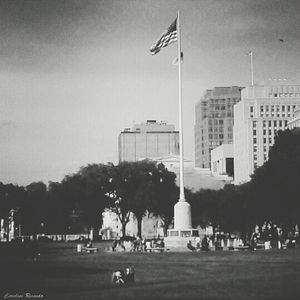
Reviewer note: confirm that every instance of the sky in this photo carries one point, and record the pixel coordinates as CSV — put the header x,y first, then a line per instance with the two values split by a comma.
x,y
74,74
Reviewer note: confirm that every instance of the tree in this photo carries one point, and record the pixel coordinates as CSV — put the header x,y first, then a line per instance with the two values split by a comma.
x,y
58,209
95,182
12,199
118,193
141,186
165,195
35,208
276,183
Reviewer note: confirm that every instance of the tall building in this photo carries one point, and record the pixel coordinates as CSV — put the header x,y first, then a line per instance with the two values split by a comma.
x,y
295,120
148,140
262,111
214,121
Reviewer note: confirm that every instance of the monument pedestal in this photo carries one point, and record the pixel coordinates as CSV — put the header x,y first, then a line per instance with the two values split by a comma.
x,y
183,232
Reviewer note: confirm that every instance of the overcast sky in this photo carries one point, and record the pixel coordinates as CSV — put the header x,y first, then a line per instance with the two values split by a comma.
x,y
73,74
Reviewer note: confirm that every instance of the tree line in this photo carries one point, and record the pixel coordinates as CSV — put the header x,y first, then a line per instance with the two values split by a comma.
x,y
76,203
271,196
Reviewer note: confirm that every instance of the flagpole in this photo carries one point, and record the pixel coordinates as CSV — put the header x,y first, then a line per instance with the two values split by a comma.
x,y
181,197
251,67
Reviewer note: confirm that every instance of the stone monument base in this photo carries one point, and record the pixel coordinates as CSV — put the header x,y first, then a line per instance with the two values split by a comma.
x,y
177,239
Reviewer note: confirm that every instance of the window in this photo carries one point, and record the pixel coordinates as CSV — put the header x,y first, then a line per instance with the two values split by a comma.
x,y
221,122
254,132
251,112
254,140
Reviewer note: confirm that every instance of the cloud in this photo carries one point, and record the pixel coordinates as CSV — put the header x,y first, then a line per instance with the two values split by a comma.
x,y
8,124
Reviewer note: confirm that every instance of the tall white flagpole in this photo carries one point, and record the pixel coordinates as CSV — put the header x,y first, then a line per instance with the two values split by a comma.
x,y
181,197
251,67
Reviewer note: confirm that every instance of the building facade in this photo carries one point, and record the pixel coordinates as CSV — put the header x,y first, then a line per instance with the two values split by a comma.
x,y
294,122
222,162
214,122
262,111
148,140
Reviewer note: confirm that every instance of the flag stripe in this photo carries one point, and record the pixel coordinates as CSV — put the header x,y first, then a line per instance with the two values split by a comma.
x,y
167,38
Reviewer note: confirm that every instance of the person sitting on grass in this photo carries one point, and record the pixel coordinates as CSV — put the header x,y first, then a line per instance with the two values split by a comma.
x,y
89,244
118,277
123,276
190,246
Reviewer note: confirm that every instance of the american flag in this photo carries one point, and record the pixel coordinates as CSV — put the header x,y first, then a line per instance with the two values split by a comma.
x,y
167,38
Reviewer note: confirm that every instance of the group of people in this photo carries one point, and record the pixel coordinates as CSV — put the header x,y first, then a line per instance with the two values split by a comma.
x,y
137,244
200,246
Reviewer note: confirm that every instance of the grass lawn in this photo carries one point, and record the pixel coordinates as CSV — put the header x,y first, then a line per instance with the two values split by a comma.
x,y
62,273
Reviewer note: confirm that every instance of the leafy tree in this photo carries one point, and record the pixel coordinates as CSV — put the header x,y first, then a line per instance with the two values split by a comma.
x,y
119,193
276,183
12,198
95,182
58,216
35,208
165,195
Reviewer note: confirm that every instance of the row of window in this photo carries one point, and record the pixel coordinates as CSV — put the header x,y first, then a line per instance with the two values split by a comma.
x,y
215,122
273,123
273,110
219,136
284,95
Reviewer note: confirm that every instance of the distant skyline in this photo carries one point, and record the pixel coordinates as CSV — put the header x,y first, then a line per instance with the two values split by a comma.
x,y
74,74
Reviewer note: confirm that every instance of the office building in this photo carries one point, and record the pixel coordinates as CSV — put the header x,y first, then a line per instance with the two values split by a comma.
x,y
295,120
148,140
214,122
262,111
222,162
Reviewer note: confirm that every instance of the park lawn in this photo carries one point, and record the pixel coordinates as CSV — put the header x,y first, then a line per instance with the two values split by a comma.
x,y
62,273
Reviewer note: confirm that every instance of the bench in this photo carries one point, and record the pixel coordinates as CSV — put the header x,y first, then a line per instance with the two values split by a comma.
x,y
89,250
241,248
156,249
